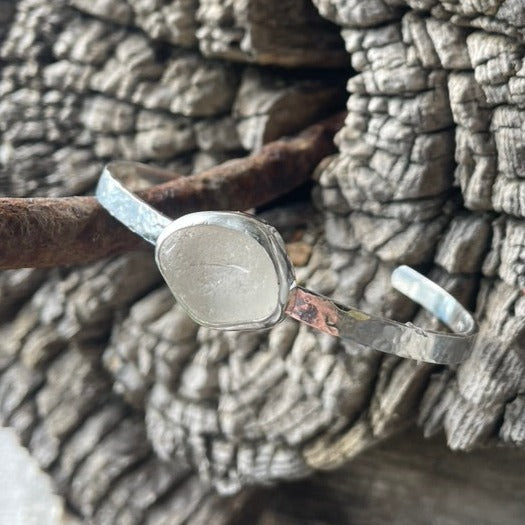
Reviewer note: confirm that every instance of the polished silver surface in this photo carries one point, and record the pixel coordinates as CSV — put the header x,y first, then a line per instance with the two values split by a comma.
x,y
387,335
211,259
113,193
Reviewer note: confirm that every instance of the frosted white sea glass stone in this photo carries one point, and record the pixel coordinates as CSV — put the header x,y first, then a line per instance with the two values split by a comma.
x,y
223,277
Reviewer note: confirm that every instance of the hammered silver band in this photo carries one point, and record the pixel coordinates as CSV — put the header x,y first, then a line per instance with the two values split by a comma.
x,y
115,193
321,313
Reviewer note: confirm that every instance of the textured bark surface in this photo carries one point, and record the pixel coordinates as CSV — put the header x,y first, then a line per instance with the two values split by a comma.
x,y
409,480
429,173
138,414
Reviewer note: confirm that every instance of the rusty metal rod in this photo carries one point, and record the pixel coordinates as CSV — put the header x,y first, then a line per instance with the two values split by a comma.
x,y
46,232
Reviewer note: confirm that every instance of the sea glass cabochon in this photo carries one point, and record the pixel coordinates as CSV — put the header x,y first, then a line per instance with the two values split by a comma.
x,y
222,276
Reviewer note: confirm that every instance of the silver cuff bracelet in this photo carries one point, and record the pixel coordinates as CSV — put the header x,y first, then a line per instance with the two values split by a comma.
x,y
230,271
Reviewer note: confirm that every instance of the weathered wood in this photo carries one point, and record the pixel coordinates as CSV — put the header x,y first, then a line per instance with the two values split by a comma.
x,y
289,33
430,93
253,31
60,116
429,171
60,401
409,480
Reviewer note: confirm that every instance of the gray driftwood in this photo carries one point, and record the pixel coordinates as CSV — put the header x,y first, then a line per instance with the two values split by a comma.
x,y
139,415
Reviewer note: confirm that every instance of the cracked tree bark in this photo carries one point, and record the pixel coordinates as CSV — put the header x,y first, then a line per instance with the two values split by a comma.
x,y
140,416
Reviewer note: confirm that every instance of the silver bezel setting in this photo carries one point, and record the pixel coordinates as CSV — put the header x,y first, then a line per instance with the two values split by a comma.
x,y
266,235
